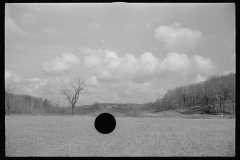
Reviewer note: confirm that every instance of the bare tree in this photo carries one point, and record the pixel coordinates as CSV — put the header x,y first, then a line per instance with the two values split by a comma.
x,y
78,87
9,98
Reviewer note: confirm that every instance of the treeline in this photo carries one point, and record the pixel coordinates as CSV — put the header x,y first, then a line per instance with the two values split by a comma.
x,y
25,104
215,95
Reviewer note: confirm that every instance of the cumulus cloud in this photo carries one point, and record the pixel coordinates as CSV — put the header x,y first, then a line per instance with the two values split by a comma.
x,y
200,78
38,82
92,61
14,79
176,62
53,86
23,85
47,88
203,64
176,38
109,67
66,62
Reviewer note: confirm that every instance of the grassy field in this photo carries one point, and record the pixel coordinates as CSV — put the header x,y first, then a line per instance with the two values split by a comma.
x,y
144,136
178,114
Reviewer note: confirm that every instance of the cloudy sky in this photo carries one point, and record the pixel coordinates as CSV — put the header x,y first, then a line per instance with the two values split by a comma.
x,y
128,53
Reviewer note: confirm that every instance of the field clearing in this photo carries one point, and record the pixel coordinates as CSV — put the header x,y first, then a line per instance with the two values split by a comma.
x,y
76,136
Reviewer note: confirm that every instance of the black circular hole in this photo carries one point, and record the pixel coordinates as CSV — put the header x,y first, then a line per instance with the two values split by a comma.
x,y
105,123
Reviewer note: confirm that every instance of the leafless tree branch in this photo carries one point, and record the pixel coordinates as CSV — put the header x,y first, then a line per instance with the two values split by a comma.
x,y
78,87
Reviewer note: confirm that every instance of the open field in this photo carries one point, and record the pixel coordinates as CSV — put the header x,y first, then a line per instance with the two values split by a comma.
x,y
178,114
76,136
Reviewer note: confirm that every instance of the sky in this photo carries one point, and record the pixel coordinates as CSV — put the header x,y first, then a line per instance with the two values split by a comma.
x,y
127,53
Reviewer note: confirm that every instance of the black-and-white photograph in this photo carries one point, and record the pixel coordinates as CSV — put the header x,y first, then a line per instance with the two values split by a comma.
x,y
120,79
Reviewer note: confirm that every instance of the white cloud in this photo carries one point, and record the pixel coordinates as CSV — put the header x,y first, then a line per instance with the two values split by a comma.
x,y
92,61
176,38
148,62
25,86
66,62
21,84
203,64
38,87
15,79
39,82
200,78
176,62
47,88
54,85
109,67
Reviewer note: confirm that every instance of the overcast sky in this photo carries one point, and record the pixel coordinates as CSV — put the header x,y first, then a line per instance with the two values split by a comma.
x,y
128,53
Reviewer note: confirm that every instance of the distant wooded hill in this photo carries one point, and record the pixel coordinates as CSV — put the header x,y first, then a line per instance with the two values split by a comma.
x,y
213,96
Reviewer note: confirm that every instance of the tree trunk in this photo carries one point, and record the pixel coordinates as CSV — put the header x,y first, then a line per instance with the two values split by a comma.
x,y
72,111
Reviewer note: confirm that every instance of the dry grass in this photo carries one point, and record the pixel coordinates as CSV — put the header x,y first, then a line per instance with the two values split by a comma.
x,y
76,136
178,114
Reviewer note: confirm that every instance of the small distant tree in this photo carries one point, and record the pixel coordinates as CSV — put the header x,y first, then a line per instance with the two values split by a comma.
x,y
9,91
78,87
